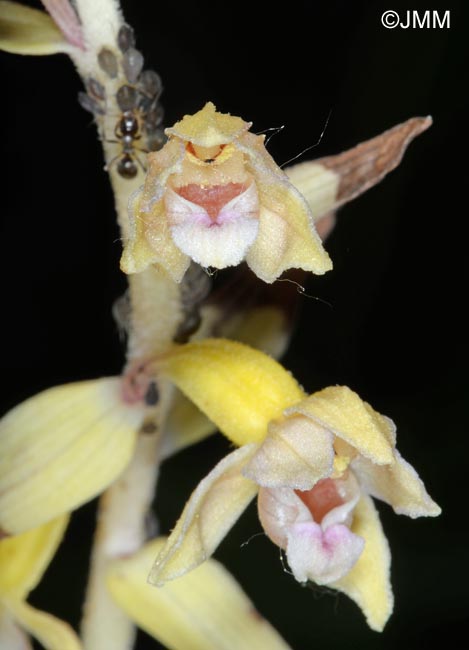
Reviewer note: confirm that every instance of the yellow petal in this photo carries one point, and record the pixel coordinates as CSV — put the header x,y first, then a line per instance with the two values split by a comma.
x,y
286,240
237,387
151,242
265,328
368,582
340,410
208,128
397,484
287,237
24,30
204,610
185,426
213,508
50,631
25,557
61,448
295,454
137,254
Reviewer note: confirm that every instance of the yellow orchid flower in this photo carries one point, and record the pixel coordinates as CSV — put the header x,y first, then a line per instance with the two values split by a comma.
x,y
23,560
314,462
213,194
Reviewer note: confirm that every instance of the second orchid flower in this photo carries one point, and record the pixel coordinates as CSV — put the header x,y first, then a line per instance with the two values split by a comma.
x,y
314,462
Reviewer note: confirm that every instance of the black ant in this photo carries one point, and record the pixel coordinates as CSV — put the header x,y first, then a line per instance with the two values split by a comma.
x,y
141,114
139,110
127,131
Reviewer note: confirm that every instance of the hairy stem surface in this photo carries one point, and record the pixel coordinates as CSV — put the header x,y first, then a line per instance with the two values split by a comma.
x,y
155,313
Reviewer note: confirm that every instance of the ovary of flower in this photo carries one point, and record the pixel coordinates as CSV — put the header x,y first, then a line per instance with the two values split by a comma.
x,y
213,194
315,467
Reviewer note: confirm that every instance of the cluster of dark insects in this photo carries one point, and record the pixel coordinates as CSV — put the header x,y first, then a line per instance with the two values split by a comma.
x,y
137,99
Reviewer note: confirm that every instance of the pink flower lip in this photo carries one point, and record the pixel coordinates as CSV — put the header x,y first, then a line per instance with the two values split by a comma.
x,y
212,199
322,555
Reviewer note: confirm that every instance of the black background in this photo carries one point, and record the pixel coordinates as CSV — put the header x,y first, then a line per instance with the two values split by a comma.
x,y
393,329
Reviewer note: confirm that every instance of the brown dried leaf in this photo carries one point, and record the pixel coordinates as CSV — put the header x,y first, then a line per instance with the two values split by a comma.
x,y
368,163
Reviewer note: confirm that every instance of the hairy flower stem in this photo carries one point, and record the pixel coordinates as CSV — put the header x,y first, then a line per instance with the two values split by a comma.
x,y
154,317
120,531
155,314
123,508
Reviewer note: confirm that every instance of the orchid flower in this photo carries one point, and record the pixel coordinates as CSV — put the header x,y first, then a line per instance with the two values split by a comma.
x,y
314,461
214,195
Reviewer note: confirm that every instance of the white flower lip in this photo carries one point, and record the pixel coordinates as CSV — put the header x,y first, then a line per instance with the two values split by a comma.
x,y
319,548
221,241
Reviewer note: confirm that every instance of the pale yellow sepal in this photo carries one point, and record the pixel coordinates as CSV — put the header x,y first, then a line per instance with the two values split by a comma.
x,y
204,610
286,240
343,412
212,509
317,184
137,254
151,245
25,557
208,128
24,30
368,583
240,389
287,237
50,631
61,448
150,241
397,484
